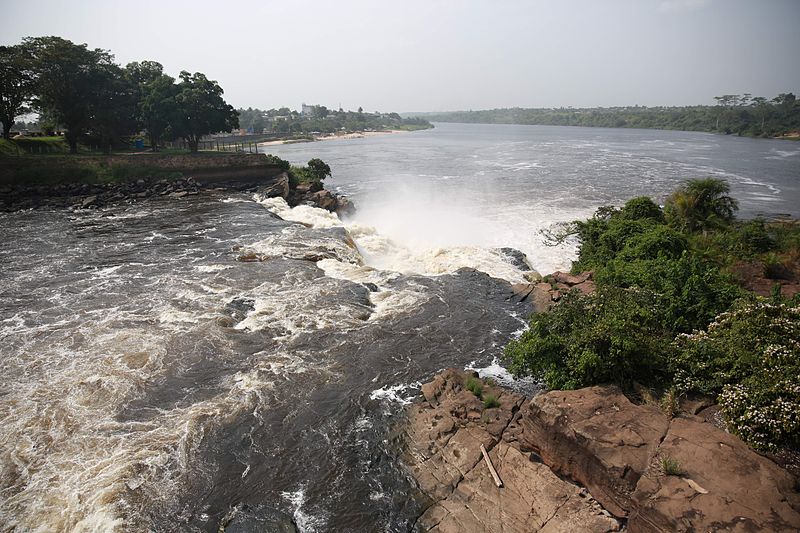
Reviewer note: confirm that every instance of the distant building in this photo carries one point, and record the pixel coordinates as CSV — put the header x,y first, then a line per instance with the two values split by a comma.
x,y
308,110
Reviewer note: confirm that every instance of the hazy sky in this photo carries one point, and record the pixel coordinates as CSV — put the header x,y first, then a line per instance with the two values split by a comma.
x,y
409,55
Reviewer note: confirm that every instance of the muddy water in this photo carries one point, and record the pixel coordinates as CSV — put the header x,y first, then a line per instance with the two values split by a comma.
x,y
153,381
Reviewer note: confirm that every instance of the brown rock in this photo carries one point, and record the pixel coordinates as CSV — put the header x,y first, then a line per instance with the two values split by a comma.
x,y
278,189
443,438
570,279
597,437
324,200
532,499
725,487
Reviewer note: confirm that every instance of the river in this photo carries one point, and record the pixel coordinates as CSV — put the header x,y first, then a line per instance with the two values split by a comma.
x,y
175,365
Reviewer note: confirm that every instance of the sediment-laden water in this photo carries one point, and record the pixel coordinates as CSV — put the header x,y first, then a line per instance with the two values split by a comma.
x,y
177,365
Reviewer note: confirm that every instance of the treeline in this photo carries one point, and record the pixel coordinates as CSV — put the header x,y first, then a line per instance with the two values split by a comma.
x,y
320,119
745,114
83,92
670,316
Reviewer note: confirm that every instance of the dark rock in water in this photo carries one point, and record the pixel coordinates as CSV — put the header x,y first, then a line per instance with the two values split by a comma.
x,y
88,202
238,308
278,189
516,258
371,286
324,199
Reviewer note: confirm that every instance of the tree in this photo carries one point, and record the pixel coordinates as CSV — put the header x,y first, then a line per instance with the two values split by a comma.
x,y
16,85
158,110
113,104
201,109
700,204
761,106
319,169
67,77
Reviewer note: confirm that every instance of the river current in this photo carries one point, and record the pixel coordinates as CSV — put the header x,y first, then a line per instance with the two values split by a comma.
x,y
223,360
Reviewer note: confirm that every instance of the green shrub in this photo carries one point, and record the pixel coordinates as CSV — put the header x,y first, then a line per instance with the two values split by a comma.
x,y
474,386
700,204
490,401
613,336
275,160
751,356
641,208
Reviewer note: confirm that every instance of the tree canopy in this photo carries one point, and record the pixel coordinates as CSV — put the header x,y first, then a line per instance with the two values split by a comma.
x,y
85,93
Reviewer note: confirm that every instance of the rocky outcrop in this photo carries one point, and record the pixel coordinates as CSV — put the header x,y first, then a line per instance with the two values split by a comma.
x,y
585,460
598,438
543,294
306,194
444,435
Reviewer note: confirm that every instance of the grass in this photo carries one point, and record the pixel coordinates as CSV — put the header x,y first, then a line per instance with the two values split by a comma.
x,y
33,145
671,467
474,386
490,400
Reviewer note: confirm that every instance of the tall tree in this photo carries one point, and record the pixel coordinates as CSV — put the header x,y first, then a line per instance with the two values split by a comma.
x,y
67,74
201,109
113,103
158,110
700,204
16,85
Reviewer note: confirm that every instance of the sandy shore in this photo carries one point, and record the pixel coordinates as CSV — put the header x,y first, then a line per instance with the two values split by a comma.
x,y
333,137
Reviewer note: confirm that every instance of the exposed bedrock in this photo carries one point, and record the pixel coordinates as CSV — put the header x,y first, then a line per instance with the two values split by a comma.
x,y
585,460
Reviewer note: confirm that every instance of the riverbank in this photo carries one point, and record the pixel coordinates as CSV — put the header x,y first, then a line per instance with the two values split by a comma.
x,y
336,137
89,182
584,460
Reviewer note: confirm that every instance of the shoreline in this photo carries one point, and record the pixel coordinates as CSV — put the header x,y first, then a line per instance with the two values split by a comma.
x,y
334,137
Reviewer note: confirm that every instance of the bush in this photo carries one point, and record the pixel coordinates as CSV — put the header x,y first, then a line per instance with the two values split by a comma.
x,y
614,336
490,401
474,386
751,357
641,208
275,160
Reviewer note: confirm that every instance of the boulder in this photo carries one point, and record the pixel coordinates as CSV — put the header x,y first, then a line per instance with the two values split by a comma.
x,y
444,435
598,438
725,486
278,189
324,199
570,279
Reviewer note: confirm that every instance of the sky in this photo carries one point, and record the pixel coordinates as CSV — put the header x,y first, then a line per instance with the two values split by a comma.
x,y
439,55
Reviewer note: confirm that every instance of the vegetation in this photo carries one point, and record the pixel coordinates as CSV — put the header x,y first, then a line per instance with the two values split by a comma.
x,y
313,174
668,314
321,120
474,386
83,92
740,114
490,401
671,467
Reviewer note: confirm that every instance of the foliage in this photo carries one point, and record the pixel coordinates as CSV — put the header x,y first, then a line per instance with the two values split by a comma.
x,y
16,85
671,467
313,174
68,76
474,386
275,160
700,204
742,115
641,208
490,401
321,120
751,355
612,336
201,109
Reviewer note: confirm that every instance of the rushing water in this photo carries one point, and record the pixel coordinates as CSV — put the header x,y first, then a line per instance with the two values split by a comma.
x,y
153,381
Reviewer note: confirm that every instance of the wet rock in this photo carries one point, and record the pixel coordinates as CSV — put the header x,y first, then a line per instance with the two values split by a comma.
x,y
238,308
89,201
324,200
516,258
278,189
